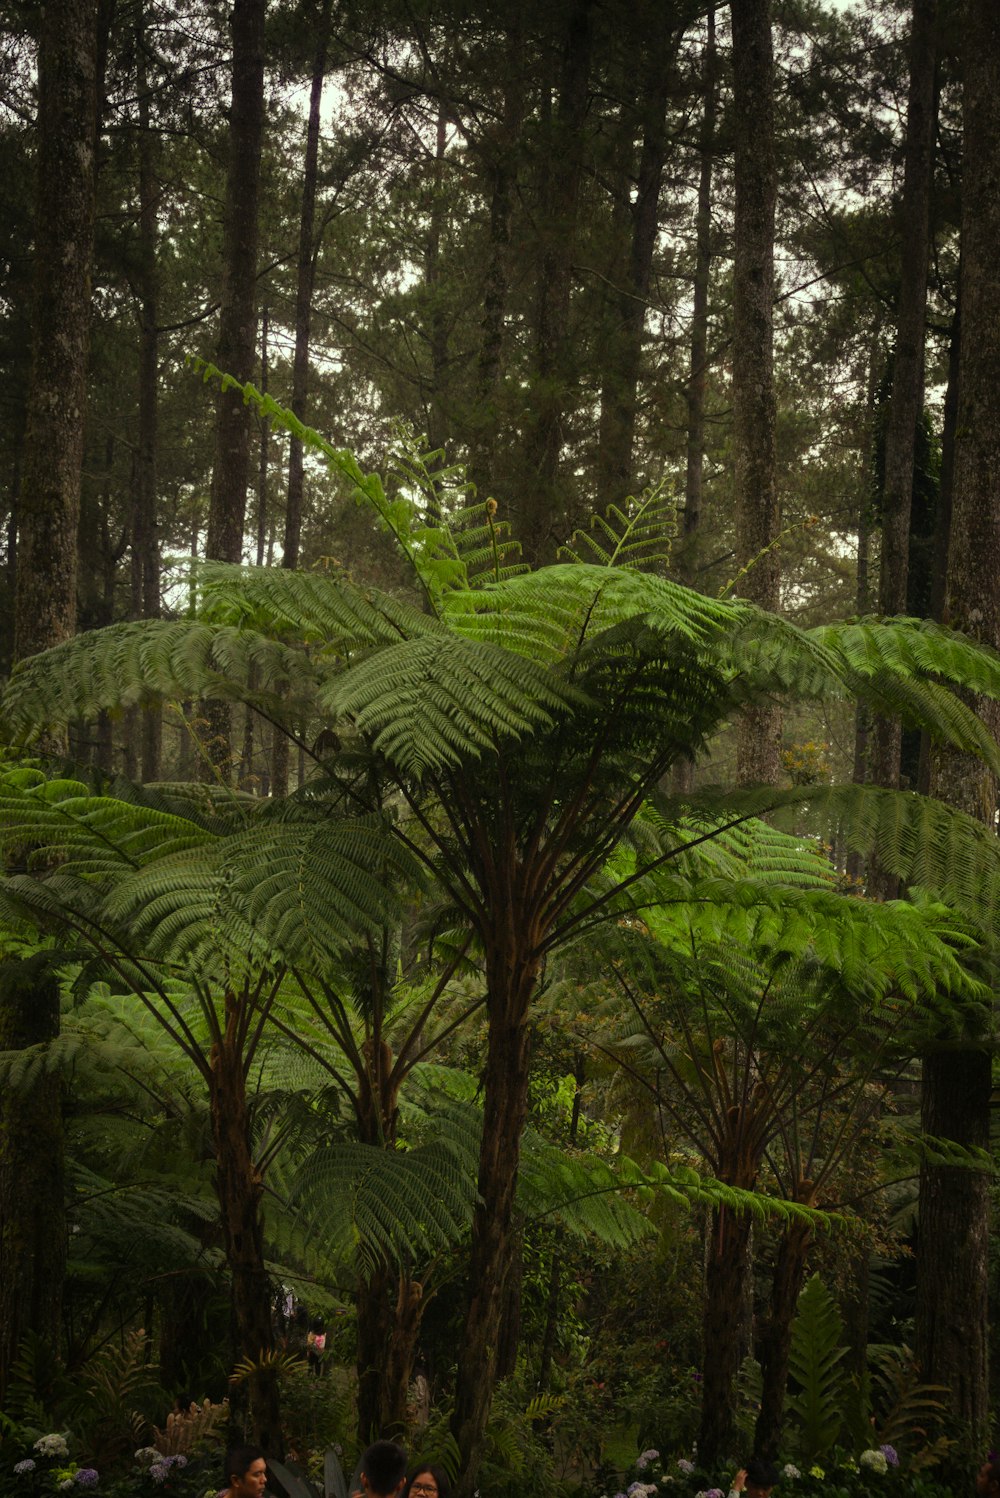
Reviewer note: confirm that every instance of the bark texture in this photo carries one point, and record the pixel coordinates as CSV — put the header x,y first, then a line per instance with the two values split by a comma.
x,y
49,501
757,518
238,315
511,977
951,1323
906,403
32,1212
240,1189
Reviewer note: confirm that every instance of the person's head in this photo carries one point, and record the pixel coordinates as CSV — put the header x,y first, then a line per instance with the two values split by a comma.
x,y
988,1480
761,1478
246,1472
428,1481
383,1469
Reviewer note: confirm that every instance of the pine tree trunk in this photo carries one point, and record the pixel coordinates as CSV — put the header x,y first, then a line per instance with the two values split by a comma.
x,y
144,534
623,350
907,399
757,518
951,1322
541,503
502,176
695,459
304,293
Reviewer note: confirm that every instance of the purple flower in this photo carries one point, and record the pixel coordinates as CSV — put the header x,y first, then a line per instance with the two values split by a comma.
x,y
27,1465
643,1460
890,1454
685,1465
87,1477
714,1493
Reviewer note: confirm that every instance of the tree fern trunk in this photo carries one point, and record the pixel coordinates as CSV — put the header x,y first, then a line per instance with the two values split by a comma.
x,y
776,1337
375,1332
505,1104
725,1278
239,1187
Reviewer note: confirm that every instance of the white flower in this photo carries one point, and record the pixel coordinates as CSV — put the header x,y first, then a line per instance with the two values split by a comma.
x,y
875,1461
27,1465
789,1470
52,1445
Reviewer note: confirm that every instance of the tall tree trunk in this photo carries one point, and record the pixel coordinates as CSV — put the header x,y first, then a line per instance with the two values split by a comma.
x,y
236,351
511,978
32,1175
623,350
907,398
437,319
32,1210
695,460
951,1323
144,529
757,518
541,503
502,176
305,282
239,1188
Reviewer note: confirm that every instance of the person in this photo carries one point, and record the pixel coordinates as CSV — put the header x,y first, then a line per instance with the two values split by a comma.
x,y
383,1470
246,1473
755,1480
428,1481
316,1346
988,1480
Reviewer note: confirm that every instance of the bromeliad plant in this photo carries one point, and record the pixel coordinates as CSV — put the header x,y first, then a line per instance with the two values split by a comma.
x,y
505,729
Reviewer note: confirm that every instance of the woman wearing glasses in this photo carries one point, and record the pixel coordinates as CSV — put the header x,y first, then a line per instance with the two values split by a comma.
x,y
428,1481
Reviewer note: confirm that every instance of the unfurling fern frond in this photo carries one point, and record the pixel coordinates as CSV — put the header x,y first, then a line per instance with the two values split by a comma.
x,y
638,537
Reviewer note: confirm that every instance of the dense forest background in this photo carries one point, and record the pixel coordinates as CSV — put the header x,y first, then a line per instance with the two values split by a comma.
x,y
724,278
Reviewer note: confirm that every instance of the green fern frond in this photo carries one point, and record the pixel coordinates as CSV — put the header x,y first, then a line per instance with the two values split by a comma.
x,y
638,537
430,703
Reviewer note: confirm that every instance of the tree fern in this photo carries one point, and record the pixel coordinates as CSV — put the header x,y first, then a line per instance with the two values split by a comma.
x,y
638,537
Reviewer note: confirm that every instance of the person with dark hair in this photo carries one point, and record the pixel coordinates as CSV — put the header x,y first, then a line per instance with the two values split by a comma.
x,y
756,1479
988,1480
245,1474
427,1481
383,1470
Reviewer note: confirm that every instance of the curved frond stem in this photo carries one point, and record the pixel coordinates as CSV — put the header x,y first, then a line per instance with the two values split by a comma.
x,y
707,1113
576,922
264,1011
449,1029
463,894
402,1065
322,1061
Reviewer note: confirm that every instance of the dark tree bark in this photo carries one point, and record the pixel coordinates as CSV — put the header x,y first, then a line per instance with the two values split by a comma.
x,y
757,517
623,349
236,352
49,507
304,293
501,170
144,523
695,460
908,367
951,1322
240,1189
32,1210
725,1280
32,1175
540,503
776,1336
511,976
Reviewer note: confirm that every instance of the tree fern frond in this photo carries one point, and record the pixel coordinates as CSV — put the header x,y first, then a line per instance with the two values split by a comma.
x,y
638,537
429,703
